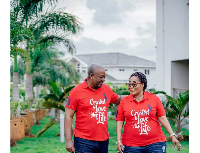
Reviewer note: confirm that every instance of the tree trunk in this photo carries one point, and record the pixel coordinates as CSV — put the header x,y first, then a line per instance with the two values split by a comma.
x,y
178,127
29,87
15,81
15,86
15,95
29,83
37,91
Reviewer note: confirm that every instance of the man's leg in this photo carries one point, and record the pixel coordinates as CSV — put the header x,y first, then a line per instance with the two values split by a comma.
x,y
84,145
102,146
128,149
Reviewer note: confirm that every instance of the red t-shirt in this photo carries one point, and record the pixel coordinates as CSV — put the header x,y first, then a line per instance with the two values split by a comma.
x,y
142,126
91,110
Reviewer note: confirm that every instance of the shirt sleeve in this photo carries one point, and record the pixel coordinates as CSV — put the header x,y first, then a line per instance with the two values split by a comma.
x,y
113,95
120,112
72,100
160,108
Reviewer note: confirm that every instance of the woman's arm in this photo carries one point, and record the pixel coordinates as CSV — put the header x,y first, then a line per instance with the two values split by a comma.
x,y
119,133
163,120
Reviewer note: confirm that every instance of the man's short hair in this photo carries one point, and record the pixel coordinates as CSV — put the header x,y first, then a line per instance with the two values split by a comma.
x,y
93,67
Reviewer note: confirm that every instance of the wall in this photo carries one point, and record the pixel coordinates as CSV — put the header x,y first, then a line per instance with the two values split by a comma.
x,y
180,74
172,38
124,75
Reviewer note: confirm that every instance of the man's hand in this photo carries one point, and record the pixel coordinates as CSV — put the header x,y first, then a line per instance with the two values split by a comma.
x,y
176,143
70,146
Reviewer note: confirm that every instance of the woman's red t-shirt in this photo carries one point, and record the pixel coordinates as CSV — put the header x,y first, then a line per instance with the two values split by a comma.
x,y
142,126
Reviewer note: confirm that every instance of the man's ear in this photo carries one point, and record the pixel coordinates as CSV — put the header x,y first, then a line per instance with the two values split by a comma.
x,y
91,76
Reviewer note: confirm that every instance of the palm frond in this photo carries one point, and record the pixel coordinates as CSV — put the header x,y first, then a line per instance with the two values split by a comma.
x,y
53,104
46,127
32,7
68,89
159,92
52,97
173,104
58,20
183,99
54,87
19,51
65,93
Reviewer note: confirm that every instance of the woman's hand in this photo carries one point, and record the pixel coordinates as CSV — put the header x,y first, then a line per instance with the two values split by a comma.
x,y
176,143
120,147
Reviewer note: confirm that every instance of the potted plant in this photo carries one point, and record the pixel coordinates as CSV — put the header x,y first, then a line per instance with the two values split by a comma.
x,y
16,122
38,111
24,107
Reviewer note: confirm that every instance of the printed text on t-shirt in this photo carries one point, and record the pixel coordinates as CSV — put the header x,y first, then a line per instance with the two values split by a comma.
x,y
142,120
99,110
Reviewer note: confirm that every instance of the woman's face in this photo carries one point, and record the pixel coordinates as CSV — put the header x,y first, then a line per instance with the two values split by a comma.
x,y
135,87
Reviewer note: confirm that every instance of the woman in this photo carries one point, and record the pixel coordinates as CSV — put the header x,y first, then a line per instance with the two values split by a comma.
x,y
142,111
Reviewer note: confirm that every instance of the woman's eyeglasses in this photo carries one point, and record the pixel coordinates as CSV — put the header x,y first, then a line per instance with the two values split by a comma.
x,y
133,84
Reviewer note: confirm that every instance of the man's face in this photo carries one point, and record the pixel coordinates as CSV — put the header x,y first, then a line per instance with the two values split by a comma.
x,y
98,78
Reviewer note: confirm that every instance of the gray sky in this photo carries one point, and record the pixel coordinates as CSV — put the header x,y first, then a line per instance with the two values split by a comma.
x,y
127,26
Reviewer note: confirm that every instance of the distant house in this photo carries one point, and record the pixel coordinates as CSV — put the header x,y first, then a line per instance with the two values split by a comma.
x,y
118,66
172,38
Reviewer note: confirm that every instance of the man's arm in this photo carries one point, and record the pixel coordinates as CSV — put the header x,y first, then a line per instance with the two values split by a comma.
x,y
119,98
69,114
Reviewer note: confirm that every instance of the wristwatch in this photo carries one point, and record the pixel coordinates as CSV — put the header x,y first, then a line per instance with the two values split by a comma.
x,y
173,134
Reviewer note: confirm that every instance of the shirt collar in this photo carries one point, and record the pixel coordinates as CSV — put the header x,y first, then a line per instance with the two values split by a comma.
x,y
85,85
144,98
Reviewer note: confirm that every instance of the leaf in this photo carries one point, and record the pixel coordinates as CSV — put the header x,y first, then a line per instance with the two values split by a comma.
x,y
53,104
46,127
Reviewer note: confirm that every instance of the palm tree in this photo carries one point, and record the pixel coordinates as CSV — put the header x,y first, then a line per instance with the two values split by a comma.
x,y
17,35
47,66
176,110
39,24
55,99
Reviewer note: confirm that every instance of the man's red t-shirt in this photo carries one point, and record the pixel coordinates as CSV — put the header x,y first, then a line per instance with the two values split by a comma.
x,y
91,110
142,126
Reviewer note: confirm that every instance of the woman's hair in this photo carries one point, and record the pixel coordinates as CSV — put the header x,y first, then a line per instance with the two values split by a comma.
x,y
141,77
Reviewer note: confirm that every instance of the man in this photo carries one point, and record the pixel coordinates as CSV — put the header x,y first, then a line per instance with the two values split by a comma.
x,y
90,101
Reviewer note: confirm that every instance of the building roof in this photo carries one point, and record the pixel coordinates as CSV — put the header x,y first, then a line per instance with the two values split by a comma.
x,y
116,59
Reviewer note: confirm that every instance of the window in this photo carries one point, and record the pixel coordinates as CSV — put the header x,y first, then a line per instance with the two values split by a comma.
x,y
146,72
83,71
78,67
135,70
121,69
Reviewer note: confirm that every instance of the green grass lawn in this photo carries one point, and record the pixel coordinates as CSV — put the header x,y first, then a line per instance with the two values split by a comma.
x,y
49,143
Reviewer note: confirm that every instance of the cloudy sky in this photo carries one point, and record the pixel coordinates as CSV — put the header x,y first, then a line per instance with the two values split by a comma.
x,y
127,26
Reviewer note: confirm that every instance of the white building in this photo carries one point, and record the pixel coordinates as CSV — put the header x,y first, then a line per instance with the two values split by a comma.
x,y
118,66
172,38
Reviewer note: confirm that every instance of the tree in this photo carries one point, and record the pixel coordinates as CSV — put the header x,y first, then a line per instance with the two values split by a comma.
x,y
55,99
17,35
57,22
47,66
176,110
